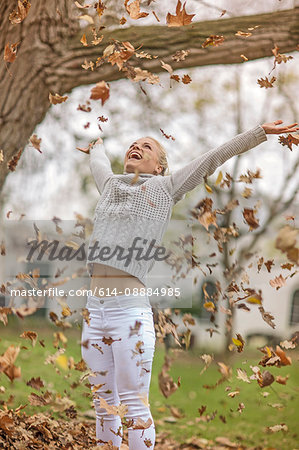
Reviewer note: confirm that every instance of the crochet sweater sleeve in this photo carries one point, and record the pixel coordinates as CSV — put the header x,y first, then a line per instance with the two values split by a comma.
x,y
189,176
100,166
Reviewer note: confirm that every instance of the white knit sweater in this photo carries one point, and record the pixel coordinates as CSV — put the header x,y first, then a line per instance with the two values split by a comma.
x,y
142,210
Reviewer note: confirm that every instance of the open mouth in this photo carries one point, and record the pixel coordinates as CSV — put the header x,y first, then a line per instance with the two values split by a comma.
x,y
135,155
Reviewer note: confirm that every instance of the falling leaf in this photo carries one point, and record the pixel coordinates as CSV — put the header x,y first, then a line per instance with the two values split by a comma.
x,y
134,330
55,99
250,218
243,33
219,178
19,14
83,40
244,57
289,140
249,176
168,136
267,317
265,379
122,21
109,340
32,335
156,17
12,163
35,141
10,52
145,75
181,18
180,55
35,383
100,92
242,375
133,9
233,394
269,264
186,79
213,40
208,189
284,360
266,83
281,380
278,282
100,8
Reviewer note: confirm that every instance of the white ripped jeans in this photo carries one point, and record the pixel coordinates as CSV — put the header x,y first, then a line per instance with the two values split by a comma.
x,y
118,345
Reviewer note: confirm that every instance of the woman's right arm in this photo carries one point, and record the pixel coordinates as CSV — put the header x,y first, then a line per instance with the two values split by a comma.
x,y
100,166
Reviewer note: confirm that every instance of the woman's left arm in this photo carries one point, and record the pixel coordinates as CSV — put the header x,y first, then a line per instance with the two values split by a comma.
x,y
191,175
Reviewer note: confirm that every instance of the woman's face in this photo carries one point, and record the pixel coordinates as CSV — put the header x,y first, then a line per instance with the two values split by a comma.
x,y
143,156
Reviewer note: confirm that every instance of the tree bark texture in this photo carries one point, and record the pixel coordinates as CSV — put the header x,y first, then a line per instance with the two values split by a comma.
x,y
50,55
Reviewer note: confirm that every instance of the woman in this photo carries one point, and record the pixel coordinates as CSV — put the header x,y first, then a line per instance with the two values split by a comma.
x,y
134,208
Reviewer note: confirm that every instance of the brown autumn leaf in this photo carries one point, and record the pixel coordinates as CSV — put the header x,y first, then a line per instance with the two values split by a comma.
x,y
167,136
133,9
250,218
7,360
278,282
12,163
117,410
55,99
267,317
122,21
242,375
265,379
186,79
19,14
1,157
181,18
145,75
35,142
214,40
100,92
204,214
279,57
134,330
109,340
266,83
269,264
243,33
166,383
244,57
83,40
32,335
10,52
180,55
121,53
282,380
40,400
249,176
35,383
100,8
284,359
289,140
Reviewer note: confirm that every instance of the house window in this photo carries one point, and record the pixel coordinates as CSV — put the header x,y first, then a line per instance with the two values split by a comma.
x,y
294,319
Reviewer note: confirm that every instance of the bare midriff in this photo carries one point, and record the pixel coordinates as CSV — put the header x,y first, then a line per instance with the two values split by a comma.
x,y
109,281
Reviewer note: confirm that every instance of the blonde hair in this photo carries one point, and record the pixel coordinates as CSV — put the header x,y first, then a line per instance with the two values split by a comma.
x,y
162,155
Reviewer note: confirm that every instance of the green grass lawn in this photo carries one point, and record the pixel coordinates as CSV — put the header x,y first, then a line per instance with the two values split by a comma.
x,y
247,427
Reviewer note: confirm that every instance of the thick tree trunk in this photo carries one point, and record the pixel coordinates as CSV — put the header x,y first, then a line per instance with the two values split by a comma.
x,y
50,55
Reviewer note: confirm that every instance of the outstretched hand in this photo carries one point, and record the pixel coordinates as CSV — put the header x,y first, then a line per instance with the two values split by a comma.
x,y
271,128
